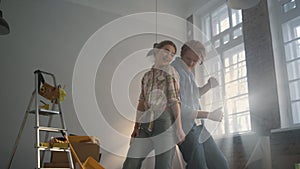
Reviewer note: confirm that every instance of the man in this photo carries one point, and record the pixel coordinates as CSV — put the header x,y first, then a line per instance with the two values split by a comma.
x,y
199,149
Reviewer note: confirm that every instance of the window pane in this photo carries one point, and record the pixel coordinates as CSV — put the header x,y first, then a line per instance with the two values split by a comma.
x,y
296,112
224,24
290,29
206,26
237,32
236,17
297,30
244,122
215,25
236,105
242,70
232,73
226,39
292,50
232,124
212,99
289,5
226,62
239,122
295,90
235,55
236,88
220,20
241,56
231,89
229,75
237,69
234,58
242,104
243,86
294,70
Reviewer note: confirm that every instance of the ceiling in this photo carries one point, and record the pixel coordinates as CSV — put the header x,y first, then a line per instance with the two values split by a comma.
x,y
124,7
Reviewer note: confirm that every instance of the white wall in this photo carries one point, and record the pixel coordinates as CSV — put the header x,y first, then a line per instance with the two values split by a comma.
x,y
48,35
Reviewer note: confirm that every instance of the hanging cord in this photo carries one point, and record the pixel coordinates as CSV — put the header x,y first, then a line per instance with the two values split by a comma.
x,y
156,6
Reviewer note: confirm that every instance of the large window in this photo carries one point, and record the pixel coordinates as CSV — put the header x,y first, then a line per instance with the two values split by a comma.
x,y
287,16
223,29
291,37
236,90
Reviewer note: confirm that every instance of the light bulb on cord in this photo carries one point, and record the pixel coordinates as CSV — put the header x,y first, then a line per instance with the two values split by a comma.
x,y
4,27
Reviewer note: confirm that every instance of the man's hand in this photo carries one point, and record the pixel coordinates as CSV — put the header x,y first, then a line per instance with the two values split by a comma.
x,y
212,82
216,115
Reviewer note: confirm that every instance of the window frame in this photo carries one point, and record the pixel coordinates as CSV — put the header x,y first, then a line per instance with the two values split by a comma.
x,y
281,19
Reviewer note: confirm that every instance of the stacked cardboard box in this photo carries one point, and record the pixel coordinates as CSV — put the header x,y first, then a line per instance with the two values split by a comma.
x,y
84,146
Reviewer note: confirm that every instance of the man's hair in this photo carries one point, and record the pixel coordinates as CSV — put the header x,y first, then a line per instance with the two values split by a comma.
x,y
196,46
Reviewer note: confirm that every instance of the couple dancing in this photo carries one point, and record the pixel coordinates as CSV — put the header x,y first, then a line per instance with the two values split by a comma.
x,y
168,106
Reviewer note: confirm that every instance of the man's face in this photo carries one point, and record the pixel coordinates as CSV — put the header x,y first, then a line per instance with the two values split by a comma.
x,y
191,59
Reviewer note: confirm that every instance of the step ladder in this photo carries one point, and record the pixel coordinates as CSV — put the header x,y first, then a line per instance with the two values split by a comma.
x,y
49,130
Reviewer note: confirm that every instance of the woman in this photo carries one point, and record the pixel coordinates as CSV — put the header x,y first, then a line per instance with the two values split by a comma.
x,y
157,111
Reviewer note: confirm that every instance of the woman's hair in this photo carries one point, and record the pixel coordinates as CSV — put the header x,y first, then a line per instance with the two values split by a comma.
x,y
196,46
161,45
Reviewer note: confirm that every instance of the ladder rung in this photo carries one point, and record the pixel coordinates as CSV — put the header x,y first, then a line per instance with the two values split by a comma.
x,y
54,168
54,149
54,145
46,112
51,129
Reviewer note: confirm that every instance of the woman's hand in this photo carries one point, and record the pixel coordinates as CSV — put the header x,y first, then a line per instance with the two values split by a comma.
x,y
135,132
180,135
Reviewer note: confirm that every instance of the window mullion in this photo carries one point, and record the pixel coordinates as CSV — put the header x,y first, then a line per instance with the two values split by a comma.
x,y
230,24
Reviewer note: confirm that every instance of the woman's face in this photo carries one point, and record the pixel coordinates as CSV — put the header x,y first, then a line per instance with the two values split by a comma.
x,y
164,55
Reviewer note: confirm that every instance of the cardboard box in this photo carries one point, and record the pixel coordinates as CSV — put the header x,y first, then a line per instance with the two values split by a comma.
x,y
60,165
80,139
91,163
83,151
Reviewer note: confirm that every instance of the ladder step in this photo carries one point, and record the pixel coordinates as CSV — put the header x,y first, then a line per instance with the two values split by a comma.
x,y
54,149
54,168
54,145
46,112
51,129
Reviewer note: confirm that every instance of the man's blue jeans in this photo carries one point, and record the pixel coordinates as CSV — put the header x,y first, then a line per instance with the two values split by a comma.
x,y
201,155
